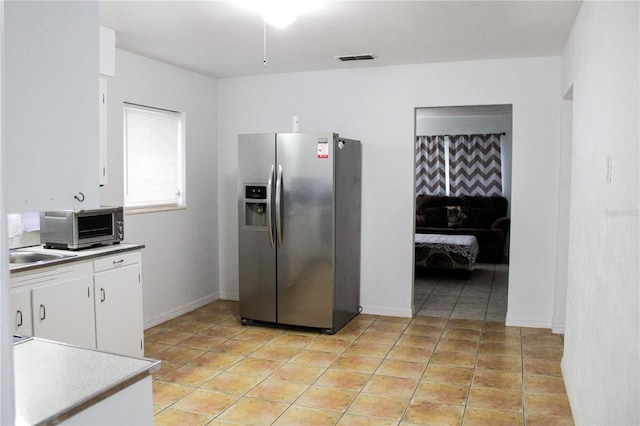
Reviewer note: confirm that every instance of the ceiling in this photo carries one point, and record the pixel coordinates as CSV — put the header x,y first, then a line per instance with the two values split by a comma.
x,y
222,39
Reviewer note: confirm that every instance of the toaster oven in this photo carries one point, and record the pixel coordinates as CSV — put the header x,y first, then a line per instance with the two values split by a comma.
x,y
78,229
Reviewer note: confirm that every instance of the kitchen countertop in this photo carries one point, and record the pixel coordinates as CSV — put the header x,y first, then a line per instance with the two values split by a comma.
x,y
54,381
77,255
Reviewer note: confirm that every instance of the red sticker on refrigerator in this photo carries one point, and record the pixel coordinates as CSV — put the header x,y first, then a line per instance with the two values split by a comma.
x,y
323,148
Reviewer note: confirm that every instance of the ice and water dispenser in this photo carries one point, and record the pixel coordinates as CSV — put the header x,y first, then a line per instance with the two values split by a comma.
x,y
255,206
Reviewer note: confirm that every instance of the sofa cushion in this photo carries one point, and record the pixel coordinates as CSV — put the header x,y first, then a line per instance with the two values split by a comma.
x,y
435,217
481,218
500,204
425,201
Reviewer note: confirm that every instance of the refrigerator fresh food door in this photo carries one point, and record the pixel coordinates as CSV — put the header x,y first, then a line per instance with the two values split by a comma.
x,y
257,255
304,225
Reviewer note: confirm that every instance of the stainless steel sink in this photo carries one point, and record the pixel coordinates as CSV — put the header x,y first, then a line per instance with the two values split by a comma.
x,y
24,257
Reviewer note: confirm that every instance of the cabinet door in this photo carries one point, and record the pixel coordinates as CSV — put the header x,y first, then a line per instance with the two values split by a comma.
x,y
21,311
102,137
49,112
119,322
64,312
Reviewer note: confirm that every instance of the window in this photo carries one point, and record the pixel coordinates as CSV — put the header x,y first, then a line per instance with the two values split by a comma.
x,y
153,159
459,165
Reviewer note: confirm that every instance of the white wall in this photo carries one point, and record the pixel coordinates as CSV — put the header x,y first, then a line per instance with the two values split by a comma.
x,y
465,125
601,358
564,216
7,396
376,105
180,261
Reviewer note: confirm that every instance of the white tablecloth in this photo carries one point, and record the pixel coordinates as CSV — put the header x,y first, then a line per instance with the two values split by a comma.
x,y
465,245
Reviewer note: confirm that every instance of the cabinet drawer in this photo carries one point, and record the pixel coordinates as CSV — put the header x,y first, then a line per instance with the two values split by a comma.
x,y
51,275
116,261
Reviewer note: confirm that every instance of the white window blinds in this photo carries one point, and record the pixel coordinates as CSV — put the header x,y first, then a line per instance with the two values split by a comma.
x,y
153,157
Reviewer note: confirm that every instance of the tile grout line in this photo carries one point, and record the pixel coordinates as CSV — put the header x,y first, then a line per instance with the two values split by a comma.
x,y
263,379
327,368
360,392
383,359
473,375
424,372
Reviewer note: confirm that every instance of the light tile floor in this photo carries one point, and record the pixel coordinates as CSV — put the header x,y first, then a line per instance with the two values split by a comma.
x,y
376,370
483,296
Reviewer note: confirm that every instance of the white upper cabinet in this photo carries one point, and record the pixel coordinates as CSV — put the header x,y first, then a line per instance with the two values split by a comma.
x,y
107,52
102,107
50,114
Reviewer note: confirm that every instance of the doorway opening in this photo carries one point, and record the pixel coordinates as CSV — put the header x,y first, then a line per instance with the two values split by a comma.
x,y
463,196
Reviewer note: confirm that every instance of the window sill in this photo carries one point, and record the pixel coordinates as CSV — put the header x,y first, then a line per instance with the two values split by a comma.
x,y
151,209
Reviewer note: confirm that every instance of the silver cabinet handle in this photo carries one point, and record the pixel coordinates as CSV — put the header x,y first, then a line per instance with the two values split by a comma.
x,y
18,318
278,206
118,262
269,218
43,312
103,295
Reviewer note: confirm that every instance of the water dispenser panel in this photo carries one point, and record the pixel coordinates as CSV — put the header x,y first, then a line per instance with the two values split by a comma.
x,y
255,207
255,214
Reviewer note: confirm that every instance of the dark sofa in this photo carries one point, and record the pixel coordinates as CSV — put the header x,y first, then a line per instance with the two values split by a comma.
x,y
484,217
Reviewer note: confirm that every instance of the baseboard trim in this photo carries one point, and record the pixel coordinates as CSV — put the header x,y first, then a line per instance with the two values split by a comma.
x,y
230,296
174,313
377,310
527,322
181,310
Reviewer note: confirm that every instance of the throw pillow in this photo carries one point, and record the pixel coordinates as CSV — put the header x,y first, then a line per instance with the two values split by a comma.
x,y
455,216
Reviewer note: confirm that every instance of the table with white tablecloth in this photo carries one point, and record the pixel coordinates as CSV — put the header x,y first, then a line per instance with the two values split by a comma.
x,y
442,251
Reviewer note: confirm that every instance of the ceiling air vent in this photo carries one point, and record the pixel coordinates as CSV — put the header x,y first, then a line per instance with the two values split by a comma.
x,y
364,57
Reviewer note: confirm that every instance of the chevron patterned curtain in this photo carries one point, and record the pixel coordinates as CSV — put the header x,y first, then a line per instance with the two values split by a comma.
x,y
430,166
474,165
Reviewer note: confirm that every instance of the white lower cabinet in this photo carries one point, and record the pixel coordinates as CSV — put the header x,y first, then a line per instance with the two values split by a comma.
x,y
21,311
61,301
64,311
118,301
92,303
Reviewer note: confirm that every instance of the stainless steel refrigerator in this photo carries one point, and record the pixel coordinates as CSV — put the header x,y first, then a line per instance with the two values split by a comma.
x,y
299,198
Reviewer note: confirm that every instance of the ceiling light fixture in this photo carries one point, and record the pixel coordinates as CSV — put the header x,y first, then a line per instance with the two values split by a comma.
x,y
280,13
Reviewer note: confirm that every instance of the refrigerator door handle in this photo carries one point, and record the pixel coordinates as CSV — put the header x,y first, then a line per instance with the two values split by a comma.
x,y
269,211
278,206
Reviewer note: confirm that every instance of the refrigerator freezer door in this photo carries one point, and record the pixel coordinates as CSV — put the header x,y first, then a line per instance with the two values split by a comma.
x,y
305,259
257,256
